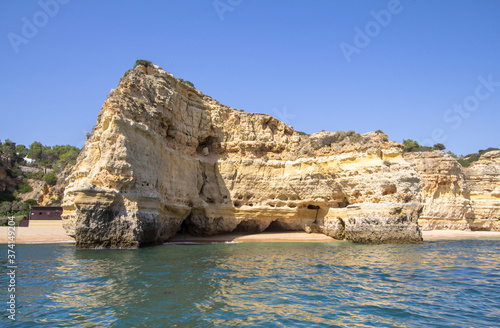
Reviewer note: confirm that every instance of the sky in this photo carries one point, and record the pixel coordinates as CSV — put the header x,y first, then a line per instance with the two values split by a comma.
x,y
422,70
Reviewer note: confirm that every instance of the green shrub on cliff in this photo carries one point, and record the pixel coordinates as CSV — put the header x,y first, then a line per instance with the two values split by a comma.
x,y
50,178
337,137
33,175
4,221
31,202
6,196
187,82
143,62
384,136
17,207
65,154
467,160
14,172
23,187
412,146
356,138
8,150
56,156
464,162
439,146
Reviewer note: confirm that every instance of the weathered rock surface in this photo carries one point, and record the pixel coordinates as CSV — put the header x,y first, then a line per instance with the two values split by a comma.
x,y
455,197
163,157
152,162
383,223
483,179
444,191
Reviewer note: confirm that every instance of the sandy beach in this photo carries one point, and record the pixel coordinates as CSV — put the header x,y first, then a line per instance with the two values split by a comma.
x,y
38,232
259,237
53,232
458,234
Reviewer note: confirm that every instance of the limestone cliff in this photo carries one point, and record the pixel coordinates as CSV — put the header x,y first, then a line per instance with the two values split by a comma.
x,y
455,197
164,157
444,190
483,179
53,194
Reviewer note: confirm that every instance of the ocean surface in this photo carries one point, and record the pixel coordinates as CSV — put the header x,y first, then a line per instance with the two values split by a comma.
x,y
336,284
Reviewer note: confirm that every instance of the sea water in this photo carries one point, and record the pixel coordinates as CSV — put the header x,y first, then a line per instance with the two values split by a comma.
x,y
333,284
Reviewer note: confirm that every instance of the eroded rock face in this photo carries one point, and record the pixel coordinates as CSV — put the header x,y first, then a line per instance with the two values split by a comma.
x,y
393,223
444,191
164,157
458,198
483,179
152,162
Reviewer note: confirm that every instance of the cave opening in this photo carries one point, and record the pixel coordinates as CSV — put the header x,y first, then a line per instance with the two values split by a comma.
x,y
276,226
247,227
316,208
185,225
209,144
343,203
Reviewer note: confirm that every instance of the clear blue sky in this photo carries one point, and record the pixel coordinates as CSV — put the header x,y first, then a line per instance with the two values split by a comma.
x,y
420,72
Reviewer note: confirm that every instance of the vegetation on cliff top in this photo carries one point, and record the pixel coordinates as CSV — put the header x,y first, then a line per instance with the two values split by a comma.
x,y
328,139
21,163
467,160
412,146
342,138
148,63
187,82
143,62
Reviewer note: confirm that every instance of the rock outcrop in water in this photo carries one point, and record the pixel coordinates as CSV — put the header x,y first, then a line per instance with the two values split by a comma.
x,y
164,157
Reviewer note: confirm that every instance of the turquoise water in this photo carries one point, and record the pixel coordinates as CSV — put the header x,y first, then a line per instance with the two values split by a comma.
x,y
434,284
